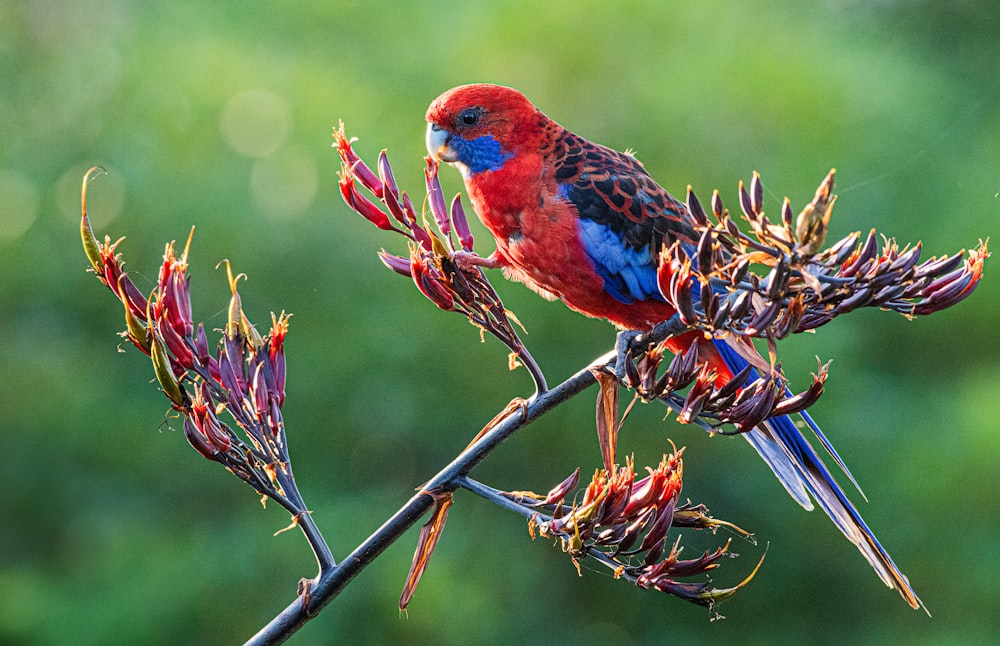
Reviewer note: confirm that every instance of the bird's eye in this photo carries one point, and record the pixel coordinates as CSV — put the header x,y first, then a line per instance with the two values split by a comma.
x,y
469,117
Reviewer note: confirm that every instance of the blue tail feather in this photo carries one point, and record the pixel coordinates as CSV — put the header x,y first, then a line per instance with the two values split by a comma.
x,y
833,453
737,363
801,471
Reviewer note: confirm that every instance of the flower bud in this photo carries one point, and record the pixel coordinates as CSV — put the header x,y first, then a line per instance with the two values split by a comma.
x,y
164,372
90,244
361,204
435,197
461,223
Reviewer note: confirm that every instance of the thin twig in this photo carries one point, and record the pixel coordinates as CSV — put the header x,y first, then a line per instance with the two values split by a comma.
x,y
495,496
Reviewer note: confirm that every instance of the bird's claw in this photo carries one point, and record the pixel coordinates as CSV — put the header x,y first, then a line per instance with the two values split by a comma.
x,y
465,260
470,260
623,343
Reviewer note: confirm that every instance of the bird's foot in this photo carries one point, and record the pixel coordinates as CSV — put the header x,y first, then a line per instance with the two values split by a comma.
x,y
622,344
469,260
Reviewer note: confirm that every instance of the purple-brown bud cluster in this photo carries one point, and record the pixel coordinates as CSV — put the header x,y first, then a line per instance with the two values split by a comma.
x,y
739,401
780,281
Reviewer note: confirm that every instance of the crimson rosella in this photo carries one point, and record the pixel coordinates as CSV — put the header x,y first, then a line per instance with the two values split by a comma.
x,y
583,223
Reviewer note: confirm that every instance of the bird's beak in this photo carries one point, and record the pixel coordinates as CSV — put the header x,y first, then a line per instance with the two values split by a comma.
x,y
437,144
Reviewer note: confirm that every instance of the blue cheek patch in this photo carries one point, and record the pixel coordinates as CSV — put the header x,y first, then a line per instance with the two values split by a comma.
x,y
629,274
480,154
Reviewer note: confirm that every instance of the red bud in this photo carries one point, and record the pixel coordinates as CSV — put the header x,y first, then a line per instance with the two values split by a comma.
x,y
361,204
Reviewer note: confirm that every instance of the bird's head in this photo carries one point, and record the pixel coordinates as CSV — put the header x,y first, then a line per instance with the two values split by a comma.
x,y
479,127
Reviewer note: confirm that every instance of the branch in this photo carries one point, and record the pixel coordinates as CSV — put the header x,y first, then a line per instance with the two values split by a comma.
x,y
246,379
324,588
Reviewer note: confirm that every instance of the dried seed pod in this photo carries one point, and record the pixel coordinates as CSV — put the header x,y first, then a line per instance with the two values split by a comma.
x,y
704,252
777,279
746,204
720,320
739,272
945,296
756,193
858,299
943,281
696,398
814,320
936,266
888,293
864,255
695,208
461,223
905,261
786,214
717,207
789,320
709,301
680,293
196,439
741,304
762,404
764,318
736,383
435,197
840,252
803,400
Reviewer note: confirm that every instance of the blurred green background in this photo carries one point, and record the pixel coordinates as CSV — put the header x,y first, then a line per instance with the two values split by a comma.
x,y
218,115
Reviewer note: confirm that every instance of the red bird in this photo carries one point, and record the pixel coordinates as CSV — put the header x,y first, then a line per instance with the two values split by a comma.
x,y
583,223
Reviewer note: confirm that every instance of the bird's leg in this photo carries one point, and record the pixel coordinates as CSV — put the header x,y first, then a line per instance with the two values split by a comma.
x,y
627,338
622,344
469,260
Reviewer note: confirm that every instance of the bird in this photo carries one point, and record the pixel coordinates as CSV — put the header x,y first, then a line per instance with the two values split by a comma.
x,y
583,223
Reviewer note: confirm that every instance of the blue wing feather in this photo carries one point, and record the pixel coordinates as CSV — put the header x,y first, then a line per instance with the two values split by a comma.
x,y
629,274
624,215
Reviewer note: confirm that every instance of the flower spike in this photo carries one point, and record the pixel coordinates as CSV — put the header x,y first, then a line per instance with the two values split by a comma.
x,y
623,522
450,285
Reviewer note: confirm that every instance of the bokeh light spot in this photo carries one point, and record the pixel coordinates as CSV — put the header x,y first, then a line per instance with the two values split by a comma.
x,y
284,185
255,122
19,199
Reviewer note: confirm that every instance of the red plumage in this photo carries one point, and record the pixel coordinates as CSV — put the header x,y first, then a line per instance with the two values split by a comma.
x,y
535,229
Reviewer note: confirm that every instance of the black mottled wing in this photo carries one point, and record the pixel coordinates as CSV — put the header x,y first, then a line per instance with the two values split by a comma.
x,y
614,189
625,216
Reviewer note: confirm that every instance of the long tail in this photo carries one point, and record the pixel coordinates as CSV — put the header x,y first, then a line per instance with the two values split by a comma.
x,y
801,471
